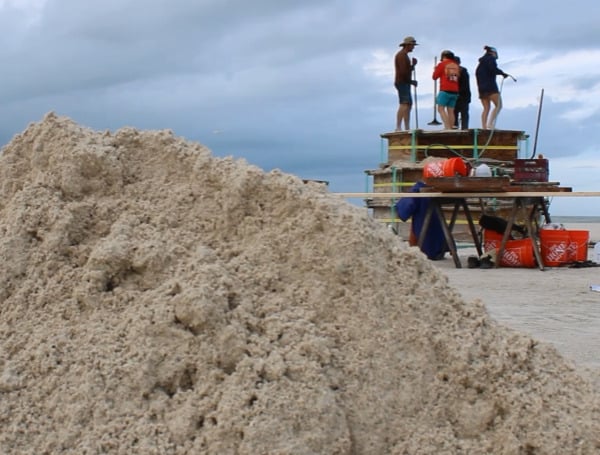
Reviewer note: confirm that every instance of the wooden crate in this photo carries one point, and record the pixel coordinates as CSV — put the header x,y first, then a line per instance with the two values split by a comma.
x,y
535,170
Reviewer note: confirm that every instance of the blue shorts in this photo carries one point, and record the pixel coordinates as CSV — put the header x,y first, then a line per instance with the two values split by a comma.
x,y
404,96
447,99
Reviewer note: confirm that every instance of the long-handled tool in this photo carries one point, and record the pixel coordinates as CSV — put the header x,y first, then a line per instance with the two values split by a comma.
x,y
537,127
416,105
435,120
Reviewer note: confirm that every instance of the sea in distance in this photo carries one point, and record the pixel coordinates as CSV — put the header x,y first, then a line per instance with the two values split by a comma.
x,y
575,219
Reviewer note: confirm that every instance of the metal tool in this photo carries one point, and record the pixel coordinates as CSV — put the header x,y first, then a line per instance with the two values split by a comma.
x,y
435,120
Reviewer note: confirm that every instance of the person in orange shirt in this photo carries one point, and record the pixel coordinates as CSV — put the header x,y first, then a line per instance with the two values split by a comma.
x,y
448,72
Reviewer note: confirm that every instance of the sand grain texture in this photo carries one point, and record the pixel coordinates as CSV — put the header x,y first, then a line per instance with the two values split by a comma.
x,y
155,299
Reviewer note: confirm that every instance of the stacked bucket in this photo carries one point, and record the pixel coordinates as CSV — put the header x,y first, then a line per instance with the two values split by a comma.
x,y
558,247
562,246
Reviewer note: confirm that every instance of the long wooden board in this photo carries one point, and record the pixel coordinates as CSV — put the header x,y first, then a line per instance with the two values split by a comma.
x,y
471,195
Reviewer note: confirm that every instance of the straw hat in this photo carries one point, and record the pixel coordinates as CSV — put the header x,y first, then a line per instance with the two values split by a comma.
x,y
409,40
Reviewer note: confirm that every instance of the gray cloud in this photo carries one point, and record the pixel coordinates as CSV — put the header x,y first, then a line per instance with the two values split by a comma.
x,y
283,84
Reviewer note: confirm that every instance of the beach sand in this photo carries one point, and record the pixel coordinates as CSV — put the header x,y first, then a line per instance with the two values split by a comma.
x,y
555,305
155,299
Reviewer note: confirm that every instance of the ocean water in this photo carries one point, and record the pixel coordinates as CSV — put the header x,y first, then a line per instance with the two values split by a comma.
x,y
575,219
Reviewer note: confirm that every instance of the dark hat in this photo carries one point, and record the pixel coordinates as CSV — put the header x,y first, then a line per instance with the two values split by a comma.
x,y
408,40
447,54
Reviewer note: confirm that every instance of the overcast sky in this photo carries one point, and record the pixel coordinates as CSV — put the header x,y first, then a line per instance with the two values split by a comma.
x,y
305,86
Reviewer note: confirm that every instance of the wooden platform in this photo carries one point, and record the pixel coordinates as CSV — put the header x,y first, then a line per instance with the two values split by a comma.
x,y
416,145
407,152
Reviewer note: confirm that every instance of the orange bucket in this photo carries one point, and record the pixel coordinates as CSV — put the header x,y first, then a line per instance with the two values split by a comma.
x,y
434,169
491,240
577,250
554,244
517,253
454,166
445,168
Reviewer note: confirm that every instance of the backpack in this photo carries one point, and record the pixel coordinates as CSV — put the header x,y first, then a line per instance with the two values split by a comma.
x,y
452,71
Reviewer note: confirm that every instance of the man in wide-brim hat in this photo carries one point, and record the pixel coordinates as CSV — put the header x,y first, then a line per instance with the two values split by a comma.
x,y
403,81
408,41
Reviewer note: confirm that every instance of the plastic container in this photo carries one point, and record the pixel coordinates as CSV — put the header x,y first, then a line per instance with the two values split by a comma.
x,y
483,170
434,169
517,253
597,253
578,245
455,166
445,168
554,244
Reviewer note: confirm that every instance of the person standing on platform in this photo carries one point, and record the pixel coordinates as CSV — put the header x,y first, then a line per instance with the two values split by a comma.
x,y
403,81
448,72
489,94
461,110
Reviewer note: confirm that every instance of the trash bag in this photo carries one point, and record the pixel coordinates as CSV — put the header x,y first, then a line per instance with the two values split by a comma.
x,y
497,224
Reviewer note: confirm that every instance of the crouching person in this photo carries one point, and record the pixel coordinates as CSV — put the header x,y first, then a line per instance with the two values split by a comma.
x,y
434,243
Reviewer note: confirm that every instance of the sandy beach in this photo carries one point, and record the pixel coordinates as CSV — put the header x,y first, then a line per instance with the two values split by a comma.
x,y
555,305
155,299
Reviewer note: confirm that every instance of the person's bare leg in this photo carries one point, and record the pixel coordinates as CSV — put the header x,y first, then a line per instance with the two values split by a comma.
x,y
496,100
485,103
403,117
451,118
443,115
447,114
406,116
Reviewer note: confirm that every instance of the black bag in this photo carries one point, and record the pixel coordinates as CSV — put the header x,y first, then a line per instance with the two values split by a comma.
x,y
497,224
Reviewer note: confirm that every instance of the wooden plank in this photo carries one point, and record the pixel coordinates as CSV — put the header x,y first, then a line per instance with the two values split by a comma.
x,y
466,184
473,195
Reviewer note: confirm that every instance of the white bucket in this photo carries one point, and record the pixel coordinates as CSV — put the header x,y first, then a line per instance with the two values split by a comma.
x,y
483,170
597,253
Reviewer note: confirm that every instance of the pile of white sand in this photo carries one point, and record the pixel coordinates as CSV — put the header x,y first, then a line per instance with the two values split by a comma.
x,y
155,299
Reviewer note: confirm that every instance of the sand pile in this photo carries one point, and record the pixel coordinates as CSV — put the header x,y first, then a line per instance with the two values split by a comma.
x,y
155,299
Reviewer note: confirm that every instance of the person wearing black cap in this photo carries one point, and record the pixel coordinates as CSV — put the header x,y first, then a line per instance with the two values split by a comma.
x,y
461,110
403,81
489,94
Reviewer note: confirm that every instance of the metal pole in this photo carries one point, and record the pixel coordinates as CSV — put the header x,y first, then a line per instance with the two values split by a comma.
x,y
537,127
416,105
435,120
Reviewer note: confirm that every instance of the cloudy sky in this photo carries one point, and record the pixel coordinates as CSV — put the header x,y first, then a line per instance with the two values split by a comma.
x,y
305,86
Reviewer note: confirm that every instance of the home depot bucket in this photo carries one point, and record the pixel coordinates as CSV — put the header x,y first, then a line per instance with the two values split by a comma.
x,y
577,250
517,253
445,168
553,245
